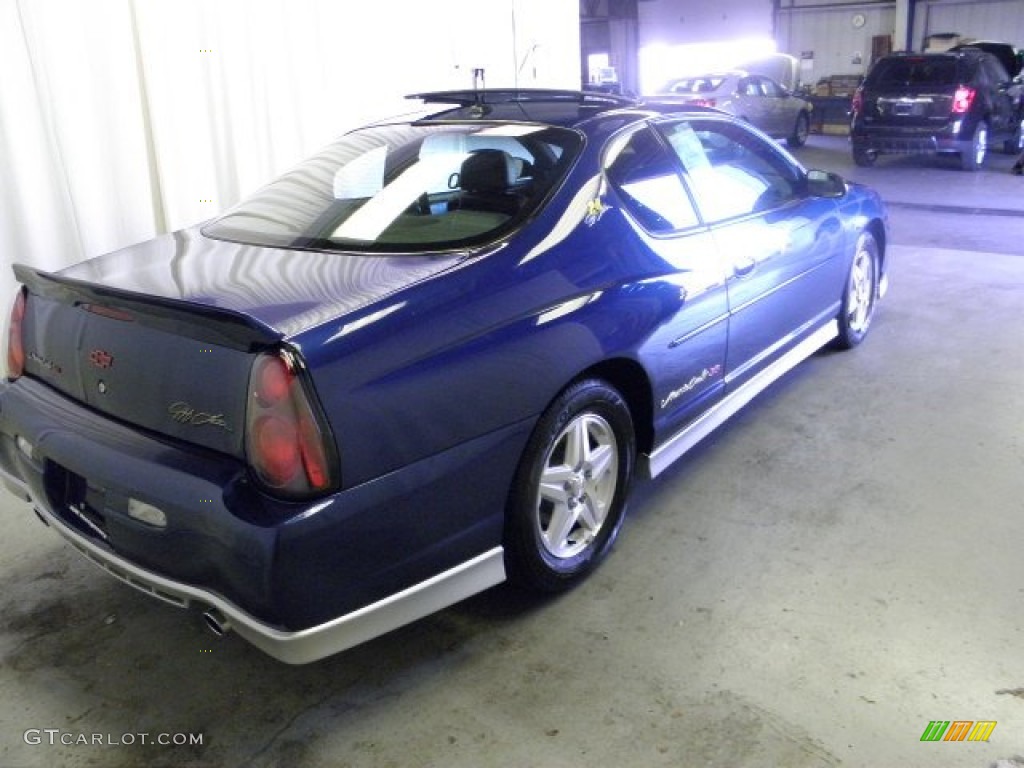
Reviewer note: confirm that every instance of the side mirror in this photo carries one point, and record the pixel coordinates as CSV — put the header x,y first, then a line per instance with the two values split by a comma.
x,y
825,184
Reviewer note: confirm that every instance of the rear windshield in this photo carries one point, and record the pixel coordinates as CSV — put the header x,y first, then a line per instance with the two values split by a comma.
x,y
407,188
706,84
938,70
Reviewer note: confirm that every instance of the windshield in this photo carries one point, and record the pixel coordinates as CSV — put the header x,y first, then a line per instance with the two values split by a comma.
x,y
407,188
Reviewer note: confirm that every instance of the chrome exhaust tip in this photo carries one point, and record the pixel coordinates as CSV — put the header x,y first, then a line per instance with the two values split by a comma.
x,y
217,622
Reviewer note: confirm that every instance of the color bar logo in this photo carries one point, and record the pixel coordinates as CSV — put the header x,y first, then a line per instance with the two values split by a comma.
x,y
958,730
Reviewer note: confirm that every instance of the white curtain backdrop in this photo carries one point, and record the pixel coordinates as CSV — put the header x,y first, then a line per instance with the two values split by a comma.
x,y
122,119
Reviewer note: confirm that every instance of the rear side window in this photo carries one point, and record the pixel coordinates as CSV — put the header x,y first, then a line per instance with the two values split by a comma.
x,y
648,181
694,85
993,71
910,71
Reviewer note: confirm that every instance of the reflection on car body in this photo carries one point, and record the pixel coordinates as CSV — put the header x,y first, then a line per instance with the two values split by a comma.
x,y
429,359
754,98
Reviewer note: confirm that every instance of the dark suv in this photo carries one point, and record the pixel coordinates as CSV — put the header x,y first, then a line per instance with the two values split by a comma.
x,y
922,103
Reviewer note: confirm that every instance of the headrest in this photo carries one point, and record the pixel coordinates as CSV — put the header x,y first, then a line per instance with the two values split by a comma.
x,y
489,170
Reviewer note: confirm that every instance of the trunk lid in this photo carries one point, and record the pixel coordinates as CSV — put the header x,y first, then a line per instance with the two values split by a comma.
x,y
911,108
163,335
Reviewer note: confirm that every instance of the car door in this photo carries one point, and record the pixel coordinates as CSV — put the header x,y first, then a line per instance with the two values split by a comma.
x,y
780,106
750,104
685,354
782,246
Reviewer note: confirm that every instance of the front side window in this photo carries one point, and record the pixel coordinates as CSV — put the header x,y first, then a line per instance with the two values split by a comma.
x,y
994,72
732,172
772,89
750,86
407,188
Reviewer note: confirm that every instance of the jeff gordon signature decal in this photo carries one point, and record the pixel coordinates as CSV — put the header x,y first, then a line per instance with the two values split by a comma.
x,y
711,372
183,413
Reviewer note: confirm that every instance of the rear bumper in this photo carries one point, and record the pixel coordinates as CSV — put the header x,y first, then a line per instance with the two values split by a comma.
x,y
890,140
305,645
299,580
909,144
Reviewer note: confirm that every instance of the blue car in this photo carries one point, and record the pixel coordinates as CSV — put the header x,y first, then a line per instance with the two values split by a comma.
x,y
430,359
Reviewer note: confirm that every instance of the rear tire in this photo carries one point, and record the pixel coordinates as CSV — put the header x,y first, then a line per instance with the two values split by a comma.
x,y
1015,143
568,496
800,131
860,293
973,159
865,158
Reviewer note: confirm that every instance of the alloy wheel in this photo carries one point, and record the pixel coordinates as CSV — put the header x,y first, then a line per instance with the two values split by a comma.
x,y
577,485
862,287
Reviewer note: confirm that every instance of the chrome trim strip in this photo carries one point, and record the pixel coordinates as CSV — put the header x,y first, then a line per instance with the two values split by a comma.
x,y
762,296
659,460
306,645
724,317
764,354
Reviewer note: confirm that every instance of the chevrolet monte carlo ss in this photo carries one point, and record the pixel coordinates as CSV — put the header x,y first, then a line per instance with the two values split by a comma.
x,y
427,360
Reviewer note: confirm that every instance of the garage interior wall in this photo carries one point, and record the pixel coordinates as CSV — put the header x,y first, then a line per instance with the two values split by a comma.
x,y
122,119
1001,20
673,21
829,42
830,37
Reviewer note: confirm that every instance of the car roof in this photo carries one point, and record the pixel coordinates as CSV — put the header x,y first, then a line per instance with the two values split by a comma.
x,y
1005,53
564,108
715,73
964,53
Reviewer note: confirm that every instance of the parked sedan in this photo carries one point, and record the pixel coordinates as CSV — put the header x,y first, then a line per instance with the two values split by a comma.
x,y
429,359
757,99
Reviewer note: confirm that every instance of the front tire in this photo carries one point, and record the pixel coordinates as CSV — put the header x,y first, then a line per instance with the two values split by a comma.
x,y
860,293
800,131
972,159
568,497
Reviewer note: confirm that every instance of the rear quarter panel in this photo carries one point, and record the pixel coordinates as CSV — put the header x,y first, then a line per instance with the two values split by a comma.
x,y
486,345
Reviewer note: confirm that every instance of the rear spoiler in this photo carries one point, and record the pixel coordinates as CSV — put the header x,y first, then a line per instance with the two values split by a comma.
x,y
213,325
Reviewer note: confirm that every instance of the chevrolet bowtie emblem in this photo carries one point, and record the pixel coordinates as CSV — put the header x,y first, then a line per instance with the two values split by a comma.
x,y
101,358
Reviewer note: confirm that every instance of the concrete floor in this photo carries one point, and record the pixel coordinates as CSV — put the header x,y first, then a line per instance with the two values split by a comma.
x,y
836,568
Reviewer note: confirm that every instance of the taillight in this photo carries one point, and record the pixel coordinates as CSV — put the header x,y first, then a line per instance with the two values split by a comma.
x,y
287,446
704,102
15,339
962,99
857,103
